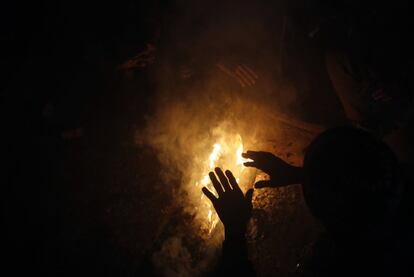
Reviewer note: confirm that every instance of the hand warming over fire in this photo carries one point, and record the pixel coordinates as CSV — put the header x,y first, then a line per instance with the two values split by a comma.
x,y
233,208
281,173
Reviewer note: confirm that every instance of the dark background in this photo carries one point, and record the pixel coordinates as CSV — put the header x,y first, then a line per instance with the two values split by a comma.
x,y
63,196
61,56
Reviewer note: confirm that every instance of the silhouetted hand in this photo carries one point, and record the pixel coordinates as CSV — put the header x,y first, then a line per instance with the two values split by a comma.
x,y
243,74
280,172
233,208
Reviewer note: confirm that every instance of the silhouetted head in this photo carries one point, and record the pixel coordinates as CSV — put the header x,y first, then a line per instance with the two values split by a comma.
x,y
351,181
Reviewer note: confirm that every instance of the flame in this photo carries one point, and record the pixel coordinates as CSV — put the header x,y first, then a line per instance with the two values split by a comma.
x,y
240,159
227,154
215,154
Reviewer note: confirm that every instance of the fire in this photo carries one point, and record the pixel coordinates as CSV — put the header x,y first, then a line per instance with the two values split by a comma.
x,y
214,156
227,154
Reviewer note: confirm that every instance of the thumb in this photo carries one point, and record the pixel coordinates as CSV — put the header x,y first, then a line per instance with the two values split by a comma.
x,y
264,184
249,195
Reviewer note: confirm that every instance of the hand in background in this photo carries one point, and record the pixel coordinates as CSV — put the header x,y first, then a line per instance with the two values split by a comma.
x,y
233,208
243,74
280,172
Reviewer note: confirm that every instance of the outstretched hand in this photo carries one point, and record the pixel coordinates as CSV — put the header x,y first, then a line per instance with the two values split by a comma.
x,y
233,208
243,74
280,172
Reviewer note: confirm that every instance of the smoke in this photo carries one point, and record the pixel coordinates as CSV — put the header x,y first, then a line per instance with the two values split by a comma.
x,y
198,104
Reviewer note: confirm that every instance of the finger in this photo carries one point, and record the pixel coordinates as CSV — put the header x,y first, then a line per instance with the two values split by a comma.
x,y
223,179
249,80
225,69
264,184
232,181
258,155
228,72
251,154
209,195
249,196
245,155
247,74
251,71
216,183
240,81
250,164
241,76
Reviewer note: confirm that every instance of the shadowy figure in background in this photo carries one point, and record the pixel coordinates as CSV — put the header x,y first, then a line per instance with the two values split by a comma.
x,y
368,58
351,184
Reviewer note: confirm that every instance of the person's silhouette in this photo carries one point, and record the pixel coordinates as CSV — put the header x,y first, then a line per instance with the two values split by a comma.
x,y
350,182
351,185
